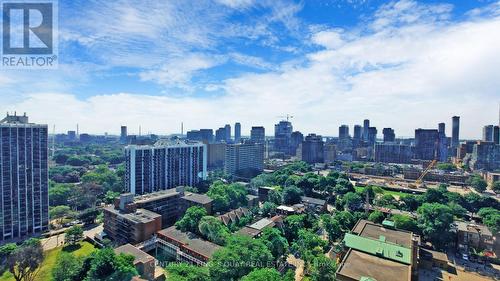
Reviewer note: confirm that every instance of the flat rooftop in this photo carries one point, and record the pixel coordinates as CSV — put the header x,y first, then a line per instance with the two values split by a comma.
x,y
248,231
372,230
315,201
261,224
139,255
190,241
357,264
197,198
139,216
142,199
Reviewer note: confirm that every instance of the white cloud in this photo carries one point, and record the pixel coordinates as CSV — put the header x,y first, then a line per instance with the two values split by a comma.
x,y
419,70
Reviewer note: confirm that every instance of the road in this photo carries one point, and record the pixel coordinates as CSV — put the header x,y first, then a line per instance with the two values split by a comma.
x,y
58,240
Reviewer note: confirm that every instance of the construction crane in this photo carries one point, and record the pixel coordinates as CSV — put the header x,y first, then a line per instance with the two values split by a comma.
x,y
425,172
288,117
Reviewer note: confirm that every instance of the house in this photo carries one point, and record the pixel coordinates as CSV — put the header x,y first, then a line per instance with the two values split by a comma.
x,y
234,216
314,205
143,262
477,236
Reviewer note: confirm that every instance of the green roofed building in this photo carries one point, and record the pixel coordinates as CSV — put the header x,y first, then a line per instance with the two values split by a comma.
x,y
378,252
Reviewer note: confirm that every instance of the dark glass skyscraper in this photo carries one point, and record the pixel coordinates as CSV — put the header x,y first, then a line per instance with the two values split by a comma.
x,y
24,208
237,132
258,134
282,137
455,131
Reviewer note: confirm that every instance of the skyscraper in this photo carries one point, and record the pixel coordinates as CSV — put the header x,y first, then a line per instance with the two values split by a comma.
x,y
496,134
357,133
366,127
24,183
455,131
282,135
313,149
258,134
164,165
296,139
488,133
442,128
244,159
426,144
372,135
123,134
220,135
389,135
343,132
237,132
227,128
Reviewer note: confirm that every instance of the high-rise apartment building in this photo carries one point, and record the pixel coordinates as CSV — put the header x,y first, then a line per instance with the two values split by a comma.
x,y
313,149
455,132
393,153
227,129
24,183
426,144
203,135
389,135
123,134
244,159
220,135
488,133
343,132
366,127
237,132
164,165
282,136
295,140
258,135
372,135
357,133
496,134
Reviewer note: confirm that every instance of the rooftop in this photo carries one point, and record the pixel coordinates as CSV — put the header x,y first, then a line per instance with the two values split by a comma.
x,y
139,216
473,227
372,230
166,143
139,255
261,224
197,198
248,231
315,201
155,195
190,241
357,265
379,248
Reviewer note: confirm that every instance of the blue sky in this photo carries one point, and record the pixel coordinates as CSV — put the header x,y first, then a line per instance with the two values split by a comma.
x,y
402,64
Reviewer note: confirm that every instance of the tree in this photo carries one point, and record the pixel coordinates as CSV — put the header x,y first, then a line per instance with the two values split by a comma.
x,y
323,269
239,257
387,201
376,216
275,196
226,196
106,265
268,209
263,274
346,220
213,229
477,182
25,260
491,218
59,193
67,267
275,242
343,186
59,212
352,201
5,251
434,221
187,272
110,196
88,216
332,227
191,218
73,235
449,167
309,245
292,195
404,222
292,225
496,186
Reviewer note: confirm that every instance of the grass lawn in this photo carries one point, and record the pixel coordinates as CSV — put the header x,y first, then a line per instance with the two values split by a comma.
x,y
379,189
48,263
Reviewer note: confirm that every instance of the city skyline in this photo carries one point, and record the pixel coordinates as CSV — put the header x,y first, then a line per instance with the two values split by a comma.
x,y
404,64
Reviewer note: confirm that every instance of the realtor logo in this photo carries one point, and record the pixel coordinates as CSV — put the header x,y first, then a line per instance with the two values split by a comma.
x,y
29,34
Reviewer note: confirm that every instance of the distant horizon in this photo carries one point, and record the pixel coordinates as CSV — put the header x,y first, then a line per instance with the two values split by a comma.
x,y
402,64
